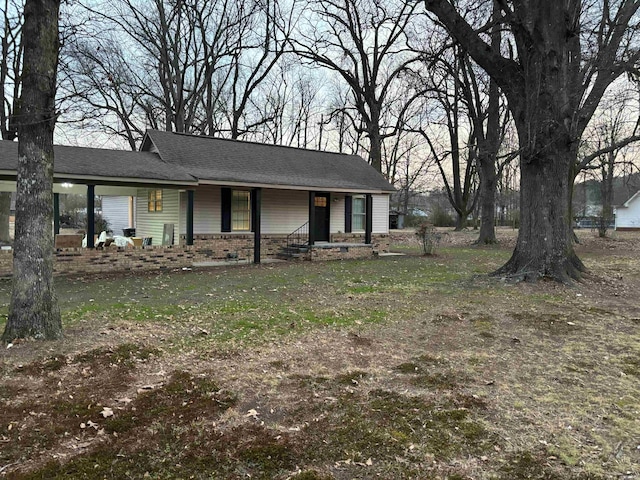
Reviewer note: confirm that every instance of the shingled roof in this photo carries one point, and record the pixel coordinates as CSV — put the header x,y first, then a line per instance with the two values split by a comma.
x,y
110,166
217,160
180,159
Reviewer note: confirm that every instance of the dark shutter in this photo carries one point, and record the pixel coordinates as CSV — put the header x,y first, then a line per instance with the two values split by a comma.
x,y
252,207
226,210
348,211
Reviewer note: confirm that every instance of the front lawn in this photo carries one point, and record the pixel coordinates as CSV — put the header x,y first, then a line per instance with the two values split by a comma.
x,y
399,367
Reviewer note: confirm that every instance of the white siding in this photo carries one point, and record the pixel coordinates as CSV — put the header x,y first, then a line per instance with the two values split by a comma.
x,y
629,217
380,214
337,213
116,211
207,210
151,224
183,213
283,211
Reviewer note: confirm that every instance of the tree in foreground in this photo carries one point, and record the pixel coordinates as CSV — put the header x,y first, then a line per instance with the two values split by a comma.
x,y
566,56
34,310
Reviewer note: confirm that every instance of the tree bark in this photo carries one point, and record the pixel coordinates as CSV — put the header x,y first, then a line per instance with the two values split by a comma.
x,y
488,184
488,149
544,247
34,310
375,150
553,88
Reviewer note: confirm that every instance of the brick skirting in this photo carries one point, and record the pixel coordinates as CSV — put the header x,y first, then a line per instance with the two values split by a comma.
x,y
206,248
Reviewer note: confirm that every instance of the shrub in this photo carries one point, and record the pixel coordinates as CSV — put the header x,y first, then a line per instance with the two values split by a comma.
x,y
429,238
440,218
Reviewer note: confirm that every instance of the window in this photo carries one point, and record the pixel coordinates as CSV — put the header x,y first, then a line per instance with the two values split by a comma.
x,y
358,213
240,211
155,200
320,201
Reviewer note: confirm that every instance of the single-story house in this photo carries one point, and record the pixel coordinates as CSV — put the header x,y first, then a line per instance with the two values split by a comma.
x,y
220,198
628,214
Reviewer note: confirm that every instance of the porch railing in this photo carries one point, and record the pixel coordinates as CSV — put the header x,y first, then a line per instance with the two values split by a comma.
x,y
299,237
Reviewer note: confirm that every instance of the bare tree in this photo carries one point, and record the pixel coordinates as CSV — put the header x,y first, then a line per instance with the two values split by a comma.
x,y
614,129
565,57
34,310
411,167
344,123
110,94
160,64
290,96
366,44
448,130
10,68
259,44
487,122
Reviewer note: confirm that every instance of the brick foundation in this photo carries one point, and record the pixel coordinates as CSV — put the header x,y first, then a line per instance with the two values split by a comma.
x,y
206,248
222,245
380,242
335,252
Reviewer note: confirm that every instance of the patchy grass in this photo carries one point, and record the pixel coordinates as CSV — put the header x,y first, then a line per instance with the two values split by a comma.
x,y
404,367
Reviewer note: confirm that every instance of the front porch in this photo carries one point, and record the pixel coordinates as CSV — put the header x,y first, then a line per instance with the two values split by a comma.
x,y
203,225
214,250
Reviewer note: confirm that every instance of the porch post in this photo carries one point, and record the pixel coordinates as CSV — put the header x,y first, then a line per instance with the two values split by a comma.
x,y
312,218
190,198
56,213
256,208
91,215
368,218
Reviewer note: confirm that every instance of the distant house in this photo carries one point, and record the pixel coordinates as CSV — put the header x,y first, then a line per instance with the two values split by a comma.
x,y
230,196
628,214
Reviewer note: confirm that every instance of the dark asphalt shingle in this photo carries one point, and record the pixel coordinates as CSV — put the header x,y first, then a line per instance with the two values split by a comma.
x,y
189,158
221,160
98,162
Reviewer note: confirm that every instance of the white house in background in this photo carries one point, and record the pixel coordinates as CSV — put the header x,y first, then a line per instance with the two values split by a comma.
x,y
628,214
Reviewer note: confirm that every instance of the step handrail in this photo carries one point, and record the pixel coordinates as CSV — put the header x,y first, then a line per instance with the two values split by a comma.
x,y
299,237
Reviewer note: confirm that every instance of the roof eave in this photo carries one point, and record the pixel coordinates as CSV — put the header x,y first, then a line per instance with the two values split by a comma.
x,y
100,180
628,202
295,187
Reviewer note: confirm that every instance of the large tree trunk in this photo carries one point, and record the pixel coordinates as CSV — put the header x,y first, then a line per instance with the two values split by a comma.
x,y
488,183
375,150
544,247
544,108
488,149
34,310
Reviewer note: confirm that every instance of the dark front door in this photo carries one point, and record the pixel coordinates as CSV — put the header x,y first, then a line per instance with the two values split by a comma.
x,y
321,224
